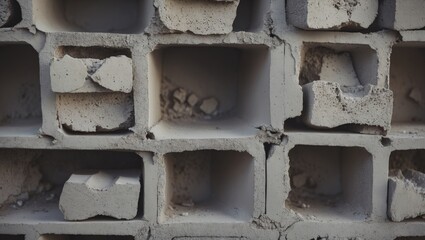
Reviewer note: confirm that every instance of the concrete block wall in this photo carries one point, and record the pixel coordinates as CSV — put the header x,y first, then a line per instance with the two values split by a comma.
x,y
245,119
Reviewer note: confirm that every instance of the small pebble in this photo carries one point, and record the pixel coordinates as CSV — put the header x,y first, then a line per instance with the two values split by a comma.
x,y
209,106
50,197
184,214
192,100
20,203
180,95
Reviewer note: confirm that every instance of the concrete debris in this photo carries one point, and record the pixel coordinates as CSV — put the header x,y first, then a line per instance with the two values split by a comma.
x,y
325,64
113,193
406,195
329,105
192,100
100,112
180,104
416,95
85,75
184,15
180,95
209,106
336,14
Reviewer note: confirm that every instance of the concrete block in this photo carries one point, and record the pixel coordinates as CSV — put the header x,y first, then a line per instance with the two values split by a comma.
x,y
335,15
10,13
329,105
199,17
81,75
402,14
406,195
99,112
113,193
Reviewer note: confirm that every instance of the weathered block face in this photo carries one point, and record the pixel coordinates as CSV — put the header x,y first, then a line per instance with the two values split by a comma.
x,y
212,119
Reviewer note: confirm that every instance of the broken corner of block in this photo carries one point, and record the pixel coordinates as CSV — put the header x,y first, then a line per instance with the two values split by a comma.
x,y
185,16
85,75
332,15
112,193
329,105
406,195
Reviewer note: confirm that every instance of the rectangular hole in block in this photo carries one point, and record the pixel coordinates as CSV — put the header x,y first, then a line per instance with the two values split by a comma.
x,y
208,186
20,101
94,108
407,83
208,91
351,66
12,237
84,237
32,180
330,182
130,16
250,15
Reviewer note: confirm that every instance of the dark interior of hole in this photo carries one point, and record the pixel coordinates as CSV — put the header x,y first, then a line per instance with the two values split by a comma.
x,y
408,159
12,237
86,237
91,52
243,15
57,166
16,16
19,69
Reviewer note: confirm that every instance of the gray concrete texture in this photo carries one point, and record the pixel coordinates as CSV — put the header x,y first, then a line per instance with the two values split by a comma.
x,y
212,119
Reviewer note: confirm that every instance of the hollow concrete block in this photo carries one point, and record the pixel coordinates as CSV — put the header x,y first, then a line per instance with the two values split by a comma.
x,y
406,195
319,14
330,105
402,14
113,193
199,17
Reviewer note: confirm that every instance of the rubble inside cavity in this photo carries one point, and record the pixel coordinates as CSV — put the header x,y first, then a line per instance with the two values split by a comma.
x,y
180,104
334,96
332,15
184,15
113,193
406,194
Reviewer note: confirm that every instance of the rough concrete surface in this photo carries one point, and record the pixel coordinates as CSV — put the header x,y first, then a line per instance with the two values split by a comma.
x,y
333,14
105,193
329,105
406,195
72,75
238,119
199,17
98,112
